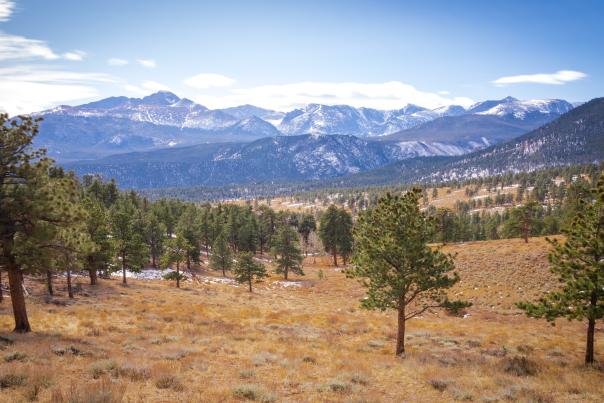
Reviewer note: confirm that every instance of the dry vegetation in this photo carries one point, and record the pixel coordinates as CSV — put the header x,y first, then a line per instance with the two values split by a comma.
x,y
217,342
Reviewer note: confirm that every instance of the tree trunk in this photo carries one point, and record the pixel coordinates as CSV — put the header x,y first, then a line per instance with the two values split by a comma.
x,y
525,229
249,281
285,273
49,283
188,262
591,327
223,272
124,270
93,276
153,260
1,294
177,274
207,251
69,288
400,336
15,281
335,256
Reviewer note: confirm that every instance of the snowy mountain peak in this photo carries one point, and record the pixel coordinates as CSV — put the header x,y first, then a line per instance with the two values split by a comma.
x,y
164,98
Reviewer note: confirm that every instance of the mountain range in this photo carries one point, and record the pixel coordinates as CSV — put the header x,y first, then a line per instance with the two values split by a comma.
x,y
577,136
120,125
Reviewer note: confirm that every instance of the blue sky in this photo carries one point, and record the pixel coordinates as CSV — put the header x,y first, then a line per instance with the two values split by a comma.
x,y
280,54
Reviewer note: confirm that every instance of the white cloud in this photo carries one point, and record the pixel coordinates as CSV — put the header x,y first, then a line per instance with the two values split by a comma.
x,y
557,78
6,9
114,61
75,55
27,88
18,47
148,63
209,80
388,95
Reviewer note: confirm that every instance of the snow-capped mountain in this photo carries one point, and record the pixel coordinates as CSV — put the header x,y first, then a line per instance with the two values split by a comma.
x,y
512,107
319,119
122,124
162,108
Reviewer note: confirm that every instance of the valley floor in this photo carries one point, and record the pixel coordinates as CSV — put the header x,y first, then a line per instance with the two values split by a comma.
x,y
212,342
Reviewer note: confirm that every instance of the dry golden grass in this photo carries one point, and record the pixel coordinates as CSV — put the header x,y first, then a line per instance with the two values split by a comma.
x,y
218,343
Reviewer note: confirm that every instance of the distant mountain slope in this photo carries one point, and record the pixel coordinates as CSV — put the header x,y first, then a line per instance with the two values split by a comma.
x,y
280,159
576,137
120,124
485,124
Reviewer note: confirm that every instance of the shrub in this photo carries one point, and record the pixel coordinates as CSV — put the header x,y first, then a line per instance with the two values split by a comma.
x,y
254,392
9,380
309,359
520,366
15,356
100,368
338,385
439,384
168,382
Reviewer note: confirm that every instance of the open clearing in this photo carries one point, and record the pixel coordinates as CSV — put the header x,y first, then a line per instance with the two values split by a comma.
x,y
215,342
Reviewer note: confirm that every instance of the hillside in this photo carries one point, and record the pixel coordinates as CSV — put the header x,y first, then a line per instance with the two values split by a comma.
x,y
279,159
305,340
577,137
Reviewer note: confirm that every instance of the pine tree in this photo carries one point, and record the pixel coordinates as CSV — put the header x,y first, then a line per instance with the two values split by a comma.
x,y
307,225
155,232
34,206
248,271
335,231
97,226
285,247
395,263
579,265
222,257
188,227
127,236
524,220
175,252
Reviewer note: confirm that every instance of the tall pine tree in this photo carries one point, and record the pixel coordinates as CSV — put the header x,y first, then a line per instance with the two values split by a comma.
x,y
579,265
395,263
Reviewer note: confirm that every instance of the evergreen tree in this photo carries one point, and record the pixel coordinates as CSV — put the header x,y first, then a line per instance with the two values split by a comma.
x,y
579,265
188,227
524,220
176,251
307,225
222,257
34,207
396,264
97,226
285,247
246,270
127,236
155,232
335,231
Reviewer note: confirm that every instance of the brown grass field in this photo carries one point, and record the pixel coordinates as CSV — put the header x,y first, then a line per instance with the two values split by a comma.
x,y
206,342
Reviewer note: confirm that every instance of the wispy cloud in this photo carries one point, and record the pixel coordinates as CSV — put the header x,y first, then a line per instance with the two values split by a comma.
x,y
18,47
114,61
148,63
75,55
28,88
6,9
209,80
557,78
388,95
